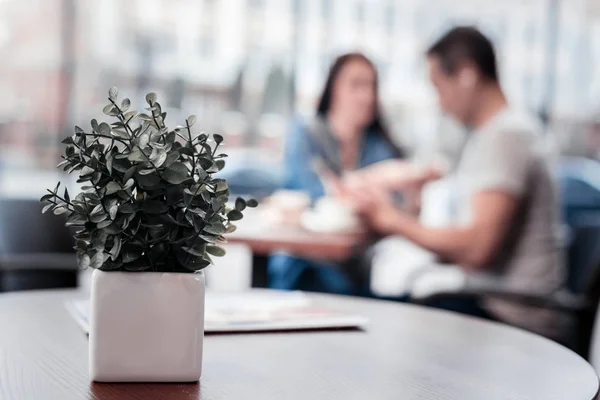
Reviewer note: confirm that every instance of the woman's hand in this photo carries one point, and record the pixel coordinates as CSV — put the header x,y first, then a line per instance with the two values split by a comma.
x,y
392,175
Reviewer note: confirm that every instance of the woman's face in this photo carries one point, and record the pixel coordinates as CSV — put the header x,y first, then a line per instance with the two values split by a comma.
x,y
354,94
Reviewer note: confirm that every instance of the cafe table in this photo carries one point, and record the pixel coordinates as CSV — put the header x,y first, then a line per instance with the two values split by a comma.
x,y
405,352
264,237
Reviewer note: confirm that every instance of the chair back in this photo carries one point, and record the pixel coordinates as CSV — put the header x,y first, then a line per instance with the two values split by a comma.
x,y
36,250
583,257
584,279
24,229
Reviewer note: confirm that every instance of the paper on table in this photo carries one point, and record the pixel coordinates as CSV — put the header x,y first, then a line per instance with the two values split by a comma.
x,y
253,311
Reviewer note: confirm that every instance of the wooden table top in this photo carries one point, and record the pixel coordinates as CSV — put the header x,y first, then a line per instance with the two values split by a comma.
x,y
406,352
265,238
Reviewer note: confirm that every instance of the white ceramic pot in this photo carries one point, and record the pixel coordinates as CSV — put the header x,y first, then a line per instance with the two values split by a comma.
x,y
146,326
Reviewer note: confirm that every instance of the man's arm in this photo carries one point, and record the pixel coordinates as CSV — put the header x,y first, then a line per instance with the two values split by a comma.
x,y
472,246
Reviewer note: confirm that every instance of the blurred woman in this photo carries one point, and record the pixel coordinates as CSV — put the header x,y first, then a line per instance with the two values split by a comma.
x,y
347,134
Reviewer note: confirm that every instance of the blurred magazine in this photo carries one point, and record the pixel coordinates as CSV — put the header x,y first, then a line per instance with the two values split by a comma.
x,y
263,310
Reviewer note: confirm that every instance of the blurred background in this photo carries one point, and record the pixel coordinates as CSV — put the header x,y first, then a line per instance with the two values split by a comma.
x,y
245,67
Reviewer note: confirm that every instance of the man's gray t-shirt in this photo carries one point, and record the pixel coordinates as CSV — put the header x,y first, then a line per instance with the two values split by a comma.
x,y
507,155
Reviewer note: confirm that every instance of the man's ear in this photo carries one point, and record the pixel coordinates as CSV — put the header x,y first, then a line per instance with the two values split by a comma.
x,y
467,75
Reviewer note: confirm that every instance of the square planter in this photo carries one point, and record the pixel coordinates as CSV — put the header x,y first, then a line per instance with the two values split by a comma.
x,y
146,326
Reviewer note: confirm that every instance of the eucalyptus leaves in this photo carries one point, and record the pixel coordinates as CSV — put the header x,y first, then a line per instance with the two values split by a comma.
x,y
150,202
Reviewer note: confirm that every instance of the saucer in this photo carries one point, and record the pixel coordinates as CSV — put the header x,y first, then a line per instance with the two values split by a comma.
x,y
316,222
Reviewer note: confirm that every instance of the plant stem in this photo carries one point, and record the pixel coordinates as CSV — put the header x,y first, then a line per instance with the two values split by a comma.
x,y
108,137
57,204
103,206
148,158
121,118
187,125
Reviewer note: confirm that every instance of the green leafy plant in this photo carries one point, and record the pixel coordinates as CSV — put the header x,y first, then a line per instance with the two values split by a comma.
x,y
150,201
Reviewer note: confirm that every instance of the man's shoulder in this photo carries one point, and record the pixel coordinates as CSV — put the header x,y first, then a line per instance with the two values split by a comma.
x,y
516,122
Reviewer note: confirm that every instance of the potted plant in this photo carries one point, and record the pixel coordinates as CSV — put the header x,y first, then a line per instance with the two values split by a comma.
x,y
149,218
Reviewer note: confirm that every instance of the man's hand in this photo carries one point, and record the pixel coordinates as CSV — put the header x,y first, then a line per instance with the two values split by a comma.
x,y
376,207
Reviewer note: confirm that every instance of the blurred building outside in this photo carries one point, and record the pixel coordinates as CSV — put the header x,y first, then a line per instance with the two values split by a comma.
x,y
245,67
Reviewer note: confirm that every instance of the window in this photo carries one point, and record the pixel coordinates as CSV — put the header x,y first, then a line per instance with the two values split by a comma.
x,y
389,18
326,8
207,46
255,4
360,11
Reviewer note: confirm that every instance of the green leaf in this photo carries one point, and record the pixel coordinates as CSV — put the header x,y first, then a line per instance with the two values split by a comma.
x,y
218,138
84,261
162,157
234,215
198,211
109,164
148,182
97,210
112,187
136,155
130,253
172,157
155,207
191,120
95,125
221,186
146,171
176,173
46,197
129,115
128,208
252,203
215,251
205,163
129,173
113,92
109,109
76,220
158,252
104,129
85,171
217,229
240,204
220,164
46,208
151,98
60,210
170,138
143,140
112,211
194,251
116,249
97,260
137,266
230,228
68,140
125,104
98,218
120,133
187,151
104,224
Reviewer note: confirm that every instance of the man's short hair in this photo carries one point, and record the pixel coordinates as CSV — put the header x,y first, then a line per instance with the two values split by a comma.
x,y
465,43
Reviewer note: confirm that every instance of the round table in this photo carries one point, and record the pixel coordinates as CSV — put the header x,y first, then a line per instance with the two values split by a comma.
x,y
406,352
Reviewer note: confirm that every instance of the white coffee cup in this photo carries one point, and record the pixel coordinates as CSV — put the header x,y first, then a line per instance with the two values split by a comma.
x,y
330,215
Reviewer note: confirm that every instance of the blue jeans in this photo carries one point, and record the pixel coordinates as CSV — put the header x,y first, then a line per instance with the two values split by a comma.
x,y
291,273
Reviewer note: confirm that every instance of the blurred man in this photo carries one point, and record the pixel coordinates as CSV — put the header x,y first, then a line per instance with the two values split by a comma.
x,y
506,202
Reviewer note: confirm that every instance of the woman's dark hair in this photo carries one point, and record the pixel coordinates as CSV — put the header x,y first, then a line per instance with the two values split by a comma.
x,y
376,126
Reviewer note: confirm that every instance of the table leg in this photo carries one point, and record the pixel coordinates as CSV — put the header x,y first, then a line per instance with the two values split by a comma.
x,y
259,271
